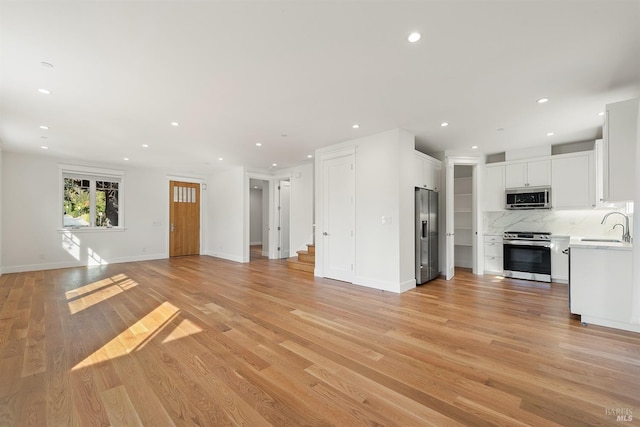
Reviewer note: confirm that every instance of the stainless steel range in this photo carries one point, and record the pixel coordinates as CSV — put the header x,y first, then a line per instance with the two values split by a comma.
x,y
527,255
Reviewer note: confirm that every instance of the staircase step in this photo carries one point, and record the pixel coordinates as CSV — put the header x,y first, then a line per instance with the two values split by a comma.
x,y
295,264
311,249
304,256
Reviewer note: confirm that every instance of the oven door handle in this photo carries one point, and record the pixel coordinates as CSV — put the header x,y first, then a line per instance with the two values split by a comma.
x,y
527,243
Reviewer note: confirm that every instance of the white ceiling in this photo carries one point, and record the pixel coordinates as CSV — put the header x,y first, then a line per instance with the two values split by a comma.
x,y
295,76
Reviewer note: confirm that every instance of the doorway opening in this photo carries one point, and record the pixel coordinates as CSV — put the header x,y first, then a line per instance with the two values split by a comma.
x,y
463,216
463,219
258,219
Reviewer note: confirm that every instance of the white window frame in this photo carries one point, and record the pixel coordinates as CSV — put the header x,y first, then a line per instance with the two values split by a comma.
x,y
92,174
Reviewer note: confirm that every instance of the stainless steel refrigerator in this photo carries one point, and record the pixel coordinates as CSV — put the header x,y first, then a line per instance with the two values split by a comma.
x,y
426,235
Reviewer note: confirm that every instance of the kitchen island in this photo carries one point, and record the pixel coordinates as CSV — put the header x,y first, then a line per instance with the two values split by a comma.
x,y
601,282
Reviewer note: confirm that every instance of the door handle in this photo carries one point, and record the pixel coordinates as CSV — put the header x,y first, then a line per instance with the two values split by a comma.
x,y
325,233
172,228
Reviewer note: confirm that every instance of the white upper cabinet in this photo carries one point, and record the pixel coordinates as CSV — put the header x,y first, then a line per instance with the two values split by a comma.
x,y
494,198
536,173
573,181
426,172
620,134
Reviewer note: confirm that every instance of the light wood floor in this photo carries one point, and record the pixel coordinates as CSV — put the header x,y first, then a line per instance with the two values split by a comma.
x,y
201,341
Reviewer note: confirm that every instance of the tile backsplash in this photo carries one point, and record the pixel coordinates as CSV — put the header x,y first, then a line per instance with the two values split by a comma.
x,y
561,222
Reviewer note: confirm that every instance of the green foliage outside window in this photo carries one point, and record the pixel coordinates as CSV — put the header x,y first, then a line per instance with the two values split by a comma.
x,y
77,203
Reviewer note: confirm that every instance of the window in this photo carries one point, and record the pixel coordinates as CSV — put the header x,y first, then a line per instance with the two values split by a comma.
x,y
91,199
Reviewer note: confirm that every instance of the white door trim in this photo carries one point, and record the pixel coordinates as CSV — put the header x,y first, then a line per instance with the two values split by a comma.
x,y
477,231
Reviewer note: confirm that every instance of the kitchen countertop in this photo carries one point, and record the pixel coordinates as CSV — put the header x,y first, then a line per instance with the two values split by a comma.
x,y
578,242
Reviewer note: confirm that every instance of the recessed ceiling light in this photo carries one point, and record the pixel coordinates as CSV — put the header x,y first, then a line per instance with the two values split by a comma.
x,y
542,100
500,129
45,91
44,147
220,158
550,134
44,127
126,159
284,135
444,124
145,145
175,124
43,137
274,165
414,37
474,147
309,156
258,144
46,64
601,113
356,126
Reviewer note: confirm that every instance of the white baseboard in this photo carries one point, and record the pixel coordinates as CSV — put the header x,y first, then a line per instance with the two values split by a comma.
x,y
72,264
230,257
625,326
385,286
408,285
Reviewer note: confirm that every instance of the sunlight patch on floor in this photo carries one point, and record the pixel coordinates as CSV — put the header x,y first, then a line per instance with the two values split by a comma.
x,y
94,293
184,329
129,341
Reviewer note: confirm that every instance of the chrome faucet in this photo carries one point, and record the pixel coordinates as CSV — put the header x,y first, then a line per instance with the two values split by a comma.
x,y
625,231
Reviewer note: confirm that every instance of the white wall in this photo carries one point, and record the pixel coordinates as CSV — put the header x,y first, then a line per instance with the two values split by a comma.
x,y
1,181
301,229
227,222
255,216
384,253
406,191
32,209
635,304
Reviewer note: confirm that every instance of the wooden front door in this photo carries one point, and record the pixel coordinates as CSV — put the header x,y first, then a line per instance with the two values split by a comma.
x,y
184,218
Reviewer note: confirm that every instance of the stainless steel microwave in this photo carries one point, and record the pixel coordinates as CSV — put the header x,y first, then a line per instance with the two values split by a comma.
x,y
528,198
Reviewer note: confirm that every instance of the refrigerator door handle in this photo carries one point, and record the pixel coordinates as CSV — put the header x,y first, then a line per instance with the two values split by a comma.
x,y
424,229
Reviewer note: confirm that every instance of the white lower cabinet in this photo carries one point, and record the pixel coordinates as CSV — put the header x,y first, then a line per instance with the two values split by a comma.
x,y
559,260
493,254
601,287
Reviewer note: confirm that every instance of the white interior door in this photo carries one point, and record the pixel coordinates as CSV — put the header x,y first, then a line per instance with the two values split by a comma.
x,y
450,261
337,232
284,209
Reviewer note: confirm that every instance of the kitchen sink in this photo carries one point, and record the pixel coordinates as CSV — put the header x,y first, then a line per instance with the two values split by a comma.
x,y
601,240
